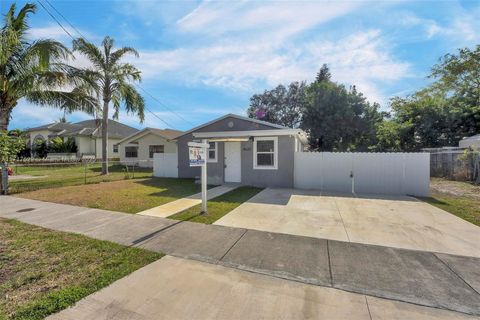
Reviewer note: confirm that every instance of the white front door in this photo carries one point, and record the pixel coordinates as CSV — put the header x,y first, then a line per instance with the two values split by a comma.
x,y
233,162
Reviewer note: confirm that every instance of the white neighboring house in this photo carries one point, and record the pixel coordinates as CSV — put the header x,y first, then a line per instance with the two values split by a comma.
x,y
87,135
473,142
140,147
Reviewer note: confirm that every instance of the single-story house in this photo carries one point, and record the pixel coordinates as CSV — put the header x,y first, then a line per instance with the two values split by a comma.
x,y
87,135
139,148
470,142
244,150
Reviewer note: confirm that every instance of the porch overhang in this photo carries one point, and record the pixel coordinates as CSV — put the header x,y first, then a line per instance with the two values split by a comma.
x,y
245,135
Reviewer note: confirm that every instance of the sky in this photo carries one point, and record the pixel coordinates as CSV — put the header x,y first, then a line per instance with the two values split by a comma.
x,y
203,59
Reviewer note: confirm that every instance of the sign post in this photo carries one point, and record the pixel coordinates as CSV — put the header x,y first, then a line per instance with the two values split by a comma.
x,y
198,158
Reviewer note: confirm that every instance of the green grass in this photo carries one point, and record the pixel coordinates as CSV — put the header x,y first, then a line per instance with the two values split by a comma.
x,y
463,207
44,271
459,198
217,207
54,176
130,196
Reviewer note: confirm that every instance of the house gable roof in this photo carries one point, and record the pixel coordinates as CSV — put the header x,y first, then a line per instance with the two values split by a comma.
x,y
231,115
167,134
89,128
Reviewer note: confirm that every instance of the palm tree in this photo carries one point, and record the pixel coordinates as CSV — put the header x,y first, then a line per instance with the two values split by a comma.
x,y
111,81
35,70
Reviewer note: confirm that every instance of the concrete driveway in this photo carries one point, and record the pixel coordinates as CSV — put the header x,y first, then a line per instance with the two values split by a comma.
x,y
401,222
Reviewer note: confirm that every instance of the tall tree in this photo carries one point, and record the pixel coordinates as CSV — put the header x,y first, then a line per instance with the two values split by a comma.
x,y
283,106
35,70
324,74
111,81
338,119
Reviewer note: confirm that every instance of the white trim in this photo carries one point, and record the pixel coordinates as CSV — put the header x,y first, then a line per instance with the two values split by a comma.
x,y
253,133
214,160
275,153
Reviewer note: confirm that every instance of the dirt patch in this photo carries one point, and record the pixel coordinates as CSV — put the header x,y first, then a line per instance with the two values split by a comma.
x,y
455,188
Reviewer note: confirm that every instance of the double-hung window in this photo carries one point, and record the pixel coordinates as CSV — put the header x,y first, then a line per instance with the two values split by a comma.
x,y
155,149
212,152
131,152
265,153
115,148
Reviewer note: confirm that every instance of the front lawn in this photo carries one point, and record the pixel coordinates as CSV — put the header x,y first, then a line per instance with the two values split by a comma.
x,y
217,207
44,271
459,198
54,176
130,196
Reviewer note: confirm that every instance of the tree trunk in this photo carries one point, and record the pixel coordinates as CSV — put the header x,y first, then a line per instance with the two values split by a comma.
x,y
4,118
105,138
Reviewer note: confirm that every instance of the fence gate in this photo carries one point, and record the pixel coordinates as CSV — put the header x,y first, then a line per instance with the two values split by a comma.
x,y
374,173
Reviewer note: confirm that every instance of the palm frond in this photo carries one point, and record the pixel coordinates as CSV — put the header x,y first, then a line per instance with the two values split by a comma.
x,y
89,50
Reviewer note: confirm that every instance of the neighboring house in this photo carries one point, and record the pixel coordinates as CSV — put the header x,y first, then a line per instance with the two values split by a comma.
x,y
87,135
473,142
140,147
244,150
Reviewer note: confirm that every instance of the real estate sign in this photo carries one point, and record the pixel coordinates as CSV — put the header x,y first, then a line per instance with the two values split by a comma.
x,y
197,156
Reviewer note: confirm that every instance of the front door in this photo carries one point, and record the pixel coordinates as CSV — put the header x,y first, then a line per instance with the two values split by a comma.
x,y
233,162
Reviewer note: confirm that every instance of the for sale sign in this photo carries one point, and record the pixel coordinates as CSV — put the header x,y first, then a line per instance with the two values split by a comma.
x,y
196,156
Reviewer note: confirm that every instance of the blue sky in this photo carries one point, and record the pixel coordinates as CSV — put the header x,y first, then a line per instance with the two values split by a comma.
x,y
203,59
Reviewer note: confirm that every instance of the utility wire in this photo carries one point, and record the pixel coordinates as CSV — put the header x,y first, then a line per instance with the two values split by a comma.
x,y
136,84
65,19
54,18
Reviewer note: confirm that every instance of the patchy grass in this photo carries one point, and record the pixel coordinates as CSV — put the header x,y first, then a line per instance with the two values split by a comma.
x,y
44,271
128,196
54,176
459,198
218,207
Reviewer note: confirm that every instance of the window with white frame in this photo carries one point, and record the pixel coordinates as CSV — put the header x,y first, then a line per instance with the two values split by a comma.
x,y
265,153
212,152
115,148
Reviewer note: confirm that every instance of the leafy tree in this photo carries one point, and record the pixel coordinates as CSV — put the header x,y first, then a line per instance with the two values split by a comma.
x,y
460,74
34,70
110,81
59,145
338,119
283,106
10,146
324,74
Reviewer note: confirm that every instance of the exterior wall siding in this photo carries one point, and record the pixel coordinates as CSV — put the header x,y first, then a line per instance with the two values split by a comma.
x,y
282,177
143,145
110,153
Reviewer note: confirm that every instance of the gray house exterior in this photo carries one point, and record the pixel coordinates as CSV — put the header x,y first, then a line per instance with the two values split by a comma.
x,y
244,150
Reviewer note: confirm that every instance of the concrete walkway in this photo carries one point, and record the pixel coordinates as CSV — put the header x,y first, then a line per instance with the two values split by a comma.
x,y
423,278
173,288
179,205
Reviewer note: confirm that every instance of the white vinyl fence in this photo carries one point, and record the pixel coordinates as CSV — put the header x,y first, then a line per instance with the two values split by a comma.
x,y
165,165
374,173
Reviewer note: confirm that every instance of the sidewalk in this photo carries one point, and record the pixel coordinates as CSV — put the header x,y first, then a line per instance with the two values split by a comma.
x,y
168,209
423,278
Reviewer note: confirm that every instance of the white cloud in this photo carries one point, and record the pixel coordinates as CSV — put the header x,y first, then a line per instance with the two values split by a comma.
x,y
277,19
461,29
362,58
54,31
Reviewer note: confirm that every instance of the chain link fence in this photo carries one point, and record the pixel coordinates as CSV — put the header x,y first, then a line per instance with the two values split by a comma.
x,y
35,175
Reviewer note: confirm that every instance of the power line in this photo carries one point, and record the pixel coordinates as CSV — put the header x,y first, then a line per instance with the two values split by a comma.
x,y
54,18
65,19
136,84
161,103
